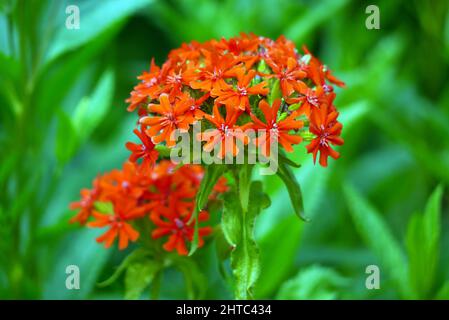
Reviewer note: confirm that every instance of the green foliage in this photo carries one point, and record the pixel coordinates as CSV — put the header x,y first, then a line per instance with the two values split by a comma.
x,y
293,187
238,227
378,237
423,236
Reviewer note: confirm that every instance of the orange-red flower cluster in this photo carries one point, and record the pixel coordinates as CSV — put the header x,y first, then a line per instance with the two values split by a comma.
x,y
165,194
227,83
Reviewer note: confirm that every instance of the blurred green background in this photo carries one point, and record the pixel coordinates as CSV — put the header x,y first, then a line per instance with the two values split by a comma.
x,y
63,120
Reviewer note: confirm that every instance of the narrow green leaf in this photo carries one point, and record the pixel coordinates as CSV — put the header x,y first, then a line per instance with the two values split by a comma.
x,y
422,240
211,176
283,158
136,255
293,187
377,236
196,281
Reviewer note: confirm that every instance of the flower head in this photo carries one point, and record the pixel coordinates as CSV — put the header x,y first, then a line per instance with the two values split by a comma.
x,y
222,82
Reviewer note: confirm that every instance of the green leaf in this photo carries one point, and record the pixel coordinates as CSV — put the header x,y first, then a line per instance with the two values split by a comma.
x,y
94,20
211,176
104,207
377,236
283,158
315,282
138,277
238,227
422,240
293,187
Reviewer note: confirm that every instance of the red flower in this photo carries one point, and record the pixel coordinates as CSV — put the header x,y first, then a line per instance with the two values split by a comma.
x,y
225,135
126,183
87,202
117,223
170,117
320,73
145,151
327,131
146,89
275,130
310,99
288,74
170,223
238,97
216,70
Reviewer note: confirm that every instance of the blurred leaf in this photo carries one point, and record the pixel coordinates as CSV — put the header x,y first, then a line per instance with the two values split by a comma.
x,y
312,18
9,79
277,249
443,293
195,280
377,236
90,111
138,277
66,138
423,235
57,82
94,19
314,282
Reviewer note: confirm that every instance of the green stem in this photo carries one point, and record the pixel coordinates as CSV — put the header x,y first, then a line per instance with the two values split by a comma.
x,y
243,183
